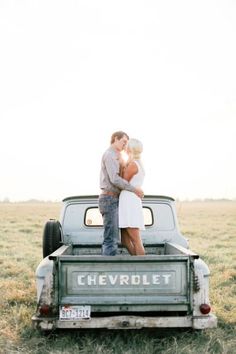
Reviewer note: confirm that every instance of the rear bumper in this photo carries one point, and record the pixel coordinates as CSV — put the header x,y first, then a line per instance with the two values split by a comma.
x,y
127,322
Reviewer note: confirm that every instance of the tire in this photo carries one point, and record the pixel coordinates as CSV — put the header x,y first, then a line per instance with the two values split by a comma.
x,y
51,237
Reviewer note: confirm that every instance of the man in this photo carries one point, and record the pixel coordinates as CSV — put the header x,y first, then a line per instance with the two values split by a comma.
x,y
111,184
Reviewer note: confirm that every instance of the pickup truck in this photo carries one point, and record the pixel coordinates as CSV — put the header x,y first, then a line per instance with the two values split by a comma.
x,y
77,287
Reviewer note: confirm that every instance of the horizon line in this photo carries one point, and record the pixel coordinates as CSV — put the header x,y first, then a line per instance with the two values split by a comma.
x,y
35,200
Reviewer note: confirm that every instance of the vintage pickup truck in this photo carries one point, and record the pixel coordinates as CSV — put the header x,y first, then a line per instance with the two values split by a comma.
x,y
77,287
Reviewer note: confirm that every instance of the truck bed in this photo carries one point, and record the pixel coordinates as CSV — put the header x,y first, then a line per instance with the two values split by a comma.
x,y
123,283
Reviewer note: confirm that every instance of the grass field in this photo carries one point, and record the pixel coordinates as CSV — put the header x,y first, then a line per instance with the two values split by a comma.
x,y
211,230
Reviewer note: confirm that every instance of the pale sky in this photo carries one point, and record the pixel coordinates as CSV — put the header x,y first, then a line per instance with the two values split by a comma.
x,y
73,72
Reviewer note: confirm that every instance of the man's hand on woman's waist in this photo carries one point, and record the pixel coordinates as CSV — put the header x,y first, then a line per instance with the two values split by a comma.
x,y
139,192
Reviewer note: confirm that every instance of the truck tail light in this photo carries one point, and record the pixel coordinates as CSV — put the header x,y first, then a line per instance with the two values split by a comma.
x,y
205,309
45,310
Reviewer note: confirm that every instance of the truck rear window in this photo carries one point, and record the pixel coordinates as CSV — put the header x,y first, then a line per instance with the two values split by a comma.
x,y
159,215
93,217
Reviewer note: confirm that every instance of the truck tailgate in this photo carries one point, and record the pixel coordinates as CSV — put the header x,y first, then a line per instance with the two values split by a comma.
x,y
148,283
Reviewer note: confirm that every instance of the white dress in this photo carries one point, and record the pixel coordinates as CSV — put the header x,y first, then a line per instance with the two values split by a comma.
x,y
130,205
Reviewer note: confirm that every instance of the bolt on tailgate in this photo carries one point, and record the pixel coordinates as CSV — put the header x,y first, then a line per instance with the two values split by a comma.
x,y
115,281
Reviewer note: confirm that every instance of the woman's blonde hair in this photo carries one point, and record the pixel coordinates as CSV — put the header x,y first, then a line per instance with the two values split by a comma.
x,y
136,148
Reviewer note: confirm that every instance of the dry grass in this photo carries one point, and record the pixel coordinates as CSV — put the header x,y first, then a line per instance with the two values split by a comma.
x,y
212,233
211,229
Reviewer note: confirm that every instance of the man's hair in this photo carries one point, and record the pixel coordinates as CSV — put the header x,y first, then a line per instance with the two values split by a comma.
x,y
118,135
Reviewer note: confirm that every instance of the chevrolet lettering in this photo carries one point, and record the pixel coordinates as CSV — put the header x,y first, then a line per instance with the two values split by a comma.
x,y
124,279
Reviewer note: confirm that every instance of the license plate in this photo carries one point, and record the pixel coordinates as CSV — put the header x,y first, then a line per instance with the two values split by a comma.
x,y
74,312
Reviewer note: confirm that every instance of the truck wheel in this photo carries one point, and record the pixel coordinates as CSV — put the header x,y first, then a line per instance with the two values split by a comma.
x,y
51,237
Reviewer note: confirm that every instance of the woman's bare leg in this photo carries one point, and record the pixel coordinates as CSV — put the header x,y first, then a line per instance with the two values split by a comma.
x,y
126,241
134,234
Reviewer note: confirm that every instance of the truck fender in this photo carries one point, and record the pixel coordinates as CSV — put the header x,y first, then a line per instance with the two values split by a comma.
x,y
201,293
44,279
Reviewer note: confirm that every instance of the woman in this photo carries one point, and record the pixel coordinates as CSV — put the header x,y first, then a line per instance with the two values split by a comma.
x,y
131,219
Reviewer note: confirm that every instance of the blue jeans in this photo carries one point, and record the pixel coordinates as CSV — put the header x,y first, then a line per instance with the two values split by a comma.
x,y
108,206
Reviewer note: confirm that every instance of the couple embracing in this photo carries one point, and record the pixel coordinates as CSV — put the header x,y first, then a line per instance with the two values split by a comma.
x,y
120,200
